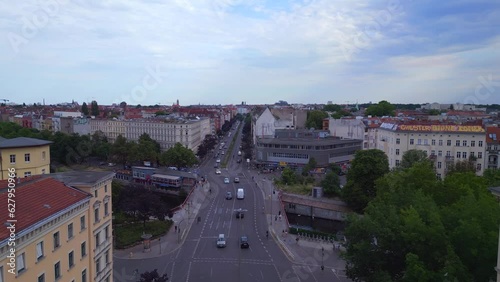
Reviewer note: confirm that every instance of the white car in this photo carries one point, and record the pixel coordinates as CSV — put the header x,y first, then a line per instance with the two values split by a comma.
x,y
217,161
226,180
217,171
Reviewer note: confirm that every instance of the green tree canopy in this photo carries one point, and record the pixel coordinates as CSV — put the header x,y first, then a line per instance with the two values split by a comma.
x,y
178,156
94,108
421,229
85,109
332,108
288,176
413,156
331,184
367,166
383,108
315,119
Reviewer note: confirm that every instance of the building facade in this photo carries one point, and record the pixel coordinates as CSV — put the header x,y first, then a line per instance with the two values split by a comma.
x,y
493,147
297,149
56,236
445,144
27,156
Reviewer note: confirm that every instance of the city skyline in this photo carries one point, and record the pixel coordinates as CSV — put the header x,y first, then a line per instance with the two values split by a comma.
x,y
228,51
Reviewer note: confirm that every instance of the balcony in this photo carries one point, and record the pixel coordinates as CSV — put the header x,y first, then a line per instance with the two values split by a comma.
x,y
433,157
450,158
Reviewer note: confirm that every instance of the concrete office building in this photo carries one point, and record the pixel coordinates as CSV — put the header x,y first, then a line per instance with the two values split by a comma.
x,y
296,147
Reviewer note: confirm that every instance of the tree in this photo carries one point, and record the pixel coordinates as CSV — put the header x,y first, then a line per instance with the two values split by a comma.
x,y
148,149
340,114
311,164
492,177
462,166
116,190
315,119
332,108
434,112
413,156
122,151
178,156
331,184
383,108
143,203
153,276
288,176
85,109
94,108
367,166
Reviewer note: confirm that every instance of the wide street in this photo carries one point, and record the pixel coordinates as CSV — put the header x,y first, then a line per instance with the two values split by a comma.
x,y
199,259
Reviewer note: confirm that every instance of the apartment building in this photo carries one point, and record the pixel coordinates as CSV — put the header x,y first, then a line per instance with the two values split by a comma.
x,y
62,233
444,143
188,132
28,156
492,146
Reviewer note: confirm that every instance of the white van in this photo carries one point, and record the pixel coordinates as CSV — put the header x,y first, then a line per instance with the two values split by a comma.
x,y
221,241
239,153
240,195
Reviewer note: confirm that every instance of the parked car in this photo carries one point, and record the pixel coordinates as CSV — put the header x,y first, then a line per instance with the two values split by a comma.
x,y
229,196
226,180
244,242
236,180
217,171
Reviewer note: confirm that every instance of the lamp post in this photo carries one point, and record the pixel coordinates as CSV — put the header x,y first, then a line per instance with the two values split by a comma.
x,y
322,255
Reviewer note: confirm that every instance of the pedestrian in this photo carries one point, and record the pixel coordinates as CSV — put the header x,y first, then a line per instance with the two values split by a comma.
x,y
275,218
175,228
280,217
279,213
297,240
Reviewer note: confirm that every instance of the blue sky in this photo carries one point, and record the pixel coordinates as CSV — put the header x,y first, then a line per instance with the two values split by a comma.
x,y
256,51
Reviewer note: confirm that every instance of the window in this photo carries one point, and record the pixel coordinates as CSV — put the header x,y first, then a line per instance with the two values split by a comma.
x,y
82,223
458,155
106,188
440,153
96,194
27,174
473,143
433,152
472,154
480,143
57,270
43,170
84,275
419,142
1,273
43,155
12,159
27,158
39,251
41,278
426,141
464,155
96,215
457,143
98,265
71,259
83,249
106,258
106,209
464,143
438,176
478,167
57,241
398,141
411,141
448,142
398,162
479,155
440,142
106,232
20,264
448,153
70,231
433,142
439,164
97,239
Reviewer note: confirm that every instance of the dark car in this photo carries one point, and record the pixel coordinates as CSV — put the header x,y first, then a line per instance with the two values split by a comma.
x,y
229,196
236,180
240,214
244,242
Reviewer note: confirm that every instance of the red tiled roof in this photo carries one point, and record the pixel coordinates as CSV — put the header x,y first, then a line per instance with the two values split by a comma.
x,y
36,199
490,130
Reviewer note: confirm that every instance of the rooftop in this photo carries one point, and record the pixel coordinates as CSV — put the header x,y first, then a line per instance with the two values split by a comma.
x,y
19,142
85,178
307,141
37,198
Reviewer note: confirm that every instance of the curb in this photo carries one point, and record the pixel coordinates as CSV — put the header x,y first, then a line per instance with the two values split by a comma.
x,y
283,247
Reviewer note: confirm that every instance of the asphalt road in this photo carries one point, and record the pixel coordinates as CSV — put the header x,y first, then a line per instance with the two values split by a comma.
x,y
199,259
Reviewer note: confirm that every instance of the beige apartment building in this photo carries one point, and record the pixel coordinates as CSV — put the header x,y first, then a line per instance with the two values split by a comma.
x,y
188,132
444,143
63,230
28,156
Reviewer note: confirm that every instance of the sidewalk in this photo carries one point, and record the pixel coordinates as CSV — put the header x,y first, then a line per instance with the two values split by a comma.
x,y
172,240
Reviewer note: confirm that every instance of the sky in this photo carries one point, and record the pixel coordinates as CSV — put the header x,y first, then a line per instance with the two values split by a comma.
x,y
254,51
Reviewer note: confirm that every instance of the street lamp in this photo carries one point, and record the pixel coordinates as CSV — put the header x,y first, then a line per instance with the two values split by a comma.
x,y
322,255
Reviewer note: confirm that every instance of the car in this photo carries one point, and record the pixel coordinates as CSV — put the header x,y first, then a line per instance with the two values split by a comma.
x,y
221,241
217,171
240,214
244,242
223,152
217,161
229,196
226,180
236,180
